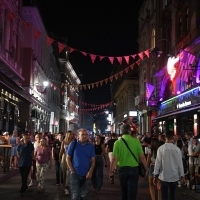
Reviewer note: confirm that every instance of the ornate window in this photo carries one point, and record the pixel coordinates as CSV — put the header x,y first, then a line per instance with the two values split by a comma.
x,y
153,38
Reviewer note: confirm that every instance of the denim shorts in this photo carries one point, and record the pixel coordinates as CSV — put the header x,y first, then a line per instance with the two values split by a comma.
x,y
151,170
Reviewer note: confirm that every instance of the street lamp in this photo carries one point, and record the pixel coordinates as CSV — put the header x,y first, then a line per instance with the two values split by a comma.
x,y
157,50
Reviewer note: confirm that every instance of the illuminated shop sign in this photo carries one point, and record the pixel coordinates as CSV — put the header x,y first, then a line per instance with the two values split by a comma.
x,y
184,104
125,115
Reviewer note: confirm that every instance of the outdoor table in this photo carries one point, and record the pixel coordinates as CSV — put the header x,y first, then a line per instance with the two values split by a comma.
x,y
7,151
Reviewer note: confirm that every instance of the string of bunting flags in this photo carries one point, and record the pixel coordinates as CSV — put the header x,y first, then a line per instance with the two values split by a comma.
x,y
38,33
101,82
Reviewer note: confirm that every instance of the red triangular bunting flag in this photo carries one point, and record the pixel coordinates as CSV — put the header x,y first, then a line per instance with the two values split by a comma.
x,y
126,59
111,59
37,33
101,57
116,76
26,24
62,93
80,86
133,56
92,85
60,47
132,66
84,86
111,78
93,57
71,50
11,15
141,55
119,60
51,84
49,41
126,69
106,80
121,73
84,53
97,84
101,82
54,87
138,62
147,53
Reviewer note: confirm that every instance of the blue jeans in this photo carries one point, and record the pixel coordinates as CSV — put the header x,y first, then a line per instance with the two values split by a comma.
x,y
168,190
78,187
59,177
128,178
97,176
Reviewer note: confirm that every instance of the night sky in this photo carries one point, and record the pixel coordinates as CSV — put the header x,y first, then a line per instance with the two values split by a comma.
x,y
107,28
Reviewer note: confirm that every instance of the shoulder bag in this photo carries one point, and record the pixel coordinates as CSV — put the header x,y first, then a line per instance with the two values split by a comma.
x,y
142,171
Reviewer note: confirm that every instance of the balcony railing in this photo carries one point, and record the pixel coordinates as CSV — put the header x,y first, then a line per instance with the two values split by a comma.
x,y
8,65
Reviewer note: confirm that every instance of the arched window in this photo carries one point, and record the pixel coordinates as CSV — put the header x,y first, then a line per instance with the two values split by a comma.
x,y
153,38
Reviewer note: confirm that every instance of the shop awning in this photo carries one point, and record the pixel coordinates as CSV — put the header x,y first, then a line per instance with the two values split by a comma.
x,y
194,107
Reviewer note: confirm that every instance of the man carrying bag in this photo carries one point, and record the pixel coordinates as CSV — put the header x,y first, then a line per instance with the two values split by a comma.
x,y
127,163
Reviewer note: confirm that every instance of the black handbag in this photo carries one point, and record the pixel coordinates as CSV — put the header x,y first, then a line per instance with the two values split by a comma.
x,y
142,171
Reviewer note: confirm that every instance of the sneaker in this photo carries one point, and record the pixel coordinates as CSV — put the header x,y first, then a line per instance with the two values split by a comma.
x,y
30,184
193,187
66,191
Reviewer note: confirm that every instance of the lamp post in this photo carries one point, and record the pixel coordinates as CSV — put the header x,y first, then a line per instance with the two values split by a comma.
x,y
158,52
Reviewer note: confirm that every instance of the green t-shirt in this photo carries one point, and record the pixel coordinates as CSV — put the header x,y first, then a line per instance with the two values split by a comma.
x,y
124,156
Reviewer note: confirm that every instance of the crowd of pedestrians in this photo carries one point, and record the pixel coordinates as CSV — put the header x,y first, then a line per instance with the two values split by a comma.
x,y
169,161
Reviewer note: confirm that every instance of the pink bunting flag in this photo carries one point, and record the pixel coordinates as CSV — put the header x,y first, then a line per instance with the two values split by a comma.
x,y
147,53
26,24
71,50
11,15
141,55
37,33
49,41
93,57
61,46
101,57
126,69
119,60
84,53
133,56
126,59
111,59
132,66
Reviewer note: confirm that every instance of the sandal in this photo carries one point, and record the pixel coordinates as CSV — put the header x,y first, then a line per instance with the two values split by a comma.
x,y
111,180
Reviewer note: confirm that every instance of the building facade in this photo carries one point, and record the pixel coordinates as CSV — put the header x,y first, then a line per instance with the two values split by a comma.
x,y
30,72
173,65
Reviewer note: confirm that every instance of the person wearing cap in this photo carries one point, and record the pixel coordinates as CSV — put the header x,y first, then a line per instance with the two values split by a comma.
x,y
128,166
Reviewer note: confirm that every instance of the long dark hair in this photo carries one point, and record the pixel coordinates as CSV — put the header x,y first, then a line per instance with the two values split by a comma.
x,y
155,144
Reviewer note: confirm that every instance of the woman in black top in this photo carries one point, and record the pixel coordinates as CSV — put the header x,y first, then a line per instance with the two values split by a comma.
x,y
97,176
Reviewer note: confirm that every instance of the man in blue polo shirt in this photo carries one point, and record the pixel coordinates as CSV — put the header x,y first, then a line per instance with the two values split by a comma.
x,y
81,162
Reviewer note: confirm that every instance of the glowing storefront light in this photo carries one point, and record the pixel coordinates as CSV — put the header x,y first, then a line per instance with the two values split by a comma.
x,y
184,93
184,104
171,70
